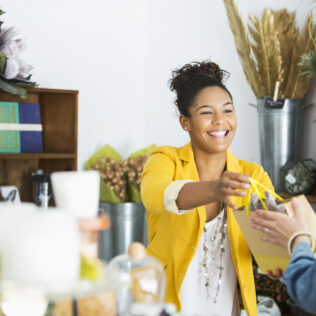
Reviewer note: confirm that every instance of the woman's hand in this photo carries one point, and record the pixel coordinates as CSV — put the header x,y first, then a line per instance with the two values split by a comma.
x,y
230,184
278,227
194,194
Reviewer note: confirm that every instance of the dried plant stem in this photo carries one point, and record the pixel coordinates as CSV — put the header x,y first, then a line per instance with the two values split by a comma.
x,y
273,52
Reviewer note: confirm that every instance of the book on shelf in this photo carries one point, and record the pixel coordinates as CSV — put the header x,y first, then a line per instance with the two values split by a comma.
x,y
20,128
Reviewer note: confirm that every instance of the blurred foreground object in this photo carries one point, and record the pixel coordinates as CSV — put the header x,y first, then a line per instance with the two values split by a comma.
x,y
139,279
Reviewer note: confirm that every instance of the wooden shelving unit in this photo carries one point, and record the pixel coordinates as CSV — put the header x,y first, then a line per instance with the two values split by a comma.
x,y
59,114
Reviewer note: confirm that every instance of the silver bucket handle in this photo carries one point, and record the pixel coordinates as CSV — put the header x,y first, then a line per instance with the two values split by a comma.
x,y
307,105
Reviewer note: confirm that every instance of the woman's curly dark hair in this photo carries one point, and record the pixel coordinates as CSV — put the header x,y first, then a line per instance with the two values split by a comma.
x,y
190,79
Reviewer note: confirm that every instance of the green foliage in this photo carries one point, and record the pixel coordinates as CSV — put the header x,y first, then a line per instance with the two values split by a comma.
x,y
120,179
308,60
107,194
134,194
12,88
106,151
2,62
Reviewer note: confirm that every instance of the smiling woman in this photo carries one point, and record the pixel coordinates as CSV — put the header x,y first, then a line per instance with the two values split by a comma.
x,y
212,121
189,193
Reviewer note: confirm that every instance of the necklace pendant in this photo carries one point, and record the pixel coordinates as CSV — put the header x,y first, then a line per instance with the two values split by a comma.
x,y
210,271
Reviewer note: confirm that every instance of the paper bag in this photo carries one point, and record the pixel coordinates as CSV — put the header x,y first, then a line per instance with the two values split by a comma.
x,y
269,256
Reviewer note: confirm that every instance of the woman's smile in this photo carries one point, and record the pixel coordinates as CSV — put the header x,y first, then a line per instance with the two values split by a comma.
x,y
218,133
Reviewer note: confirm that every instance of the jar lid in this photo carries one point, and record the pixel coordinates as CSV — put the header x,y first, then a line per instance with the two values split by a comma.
x,y
95,224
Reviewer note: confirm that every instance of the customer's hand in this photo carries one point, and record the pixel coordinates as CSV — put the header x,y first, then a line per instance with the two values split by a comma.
x,y
230,184
278,227
276,275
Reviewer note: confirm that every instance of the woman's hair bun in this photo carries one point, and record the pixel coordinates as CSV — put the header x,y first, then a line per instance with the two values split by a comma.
x,y
196,71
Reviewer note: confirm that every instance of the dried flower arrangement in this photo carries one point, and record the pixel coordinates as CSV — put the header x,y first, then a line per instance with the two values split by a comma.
x,y
273,52
14,72
120,179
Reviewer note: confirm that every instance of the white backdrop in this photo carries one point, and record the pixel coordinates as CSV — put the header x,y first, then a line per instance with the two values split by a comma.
x,y
119,55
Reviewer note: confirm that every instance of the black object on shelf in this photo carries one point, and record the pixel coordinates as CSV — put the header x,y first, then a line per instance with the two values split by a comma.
x,y
42,188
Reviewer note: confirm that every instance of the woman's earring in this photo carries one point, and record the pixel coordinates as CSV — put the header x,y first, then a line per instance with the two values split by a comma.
x,y
185,128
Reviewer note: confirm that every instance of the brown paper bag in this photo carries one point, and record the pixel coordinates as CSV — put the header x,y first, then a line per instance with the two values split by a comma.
x,y
269,256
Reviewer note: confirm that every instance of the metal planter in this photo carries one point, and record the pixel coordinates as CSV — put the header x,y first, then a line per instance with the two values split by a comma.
x,y
280,132
128,224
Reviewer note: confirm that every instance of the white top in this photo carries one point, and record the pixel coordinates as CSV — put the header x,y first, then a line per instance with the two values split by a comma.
x,y
193,292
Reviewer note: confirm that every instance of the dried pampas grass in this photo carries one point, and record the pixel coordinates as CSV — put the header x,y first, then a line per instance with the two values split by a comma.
x,y
270,50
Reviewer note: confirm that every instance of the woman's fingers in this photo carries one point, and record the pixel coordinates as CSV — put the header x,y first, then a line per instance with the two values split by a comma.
x,y
263,229
229,191
267,215
234,184
239,177
260,223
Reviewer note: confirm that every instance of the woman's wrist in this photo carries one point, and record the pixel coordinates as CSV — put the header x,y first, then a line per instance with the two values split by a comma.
x,y
210,190
301,236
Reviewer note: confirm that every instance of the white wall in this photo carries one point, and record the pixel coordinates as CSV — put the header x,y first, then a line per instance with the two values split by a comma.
x,y
181,31
119,55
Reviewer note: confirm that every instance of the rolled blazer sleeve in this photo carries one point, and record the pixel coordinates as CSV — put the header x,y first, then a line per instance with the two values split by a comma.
x,y
159,188
158,174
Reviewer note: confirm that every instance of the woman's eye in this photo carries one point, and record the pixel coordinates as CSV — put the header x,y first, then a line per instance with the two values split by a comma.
x,y
228,111
206,113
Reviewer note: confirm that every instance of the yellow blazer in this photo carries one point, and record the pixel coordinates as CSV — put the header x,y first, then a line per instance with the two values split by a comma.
x,y
173,239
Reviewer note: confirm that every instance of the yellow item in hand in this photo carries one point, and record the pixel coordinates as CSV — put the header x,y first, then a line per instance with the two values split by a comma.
x,y
254,184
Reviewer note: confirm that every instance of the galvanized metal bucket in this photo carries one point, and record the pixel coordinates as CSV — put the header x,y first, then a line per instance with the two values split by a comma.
x,y
128,224
280,132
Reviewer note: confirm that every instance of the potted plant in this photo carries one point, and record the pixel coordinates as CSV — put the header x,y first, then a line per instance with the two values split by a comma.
x,y
120,198
270,50
14,72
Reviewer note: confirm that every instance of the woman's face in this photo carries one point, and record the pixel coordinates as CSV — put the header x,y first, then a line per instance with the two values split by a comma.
x,y
212,122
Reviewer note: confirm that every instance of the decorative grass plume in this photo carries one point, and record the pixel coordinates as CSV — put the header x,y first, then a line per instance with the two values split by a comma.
x,y
270,50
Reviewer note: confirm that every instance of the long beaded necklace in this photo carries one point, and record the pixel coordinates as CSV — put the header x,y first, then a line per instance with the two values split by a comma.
x,y
220,229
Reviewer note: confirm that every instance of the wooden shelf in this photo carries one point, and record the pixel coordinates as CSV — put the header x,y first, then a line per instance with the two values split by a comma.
x,y
38,156
310,197
59,117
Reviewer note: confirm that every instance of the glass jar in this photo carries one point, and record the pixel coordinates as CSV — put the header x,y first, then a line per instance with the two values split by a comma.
x,y
139,279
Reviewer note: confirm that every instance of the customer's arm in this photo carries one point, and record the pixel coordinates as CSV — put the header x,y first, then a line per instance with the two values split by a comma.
x,y
300,277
